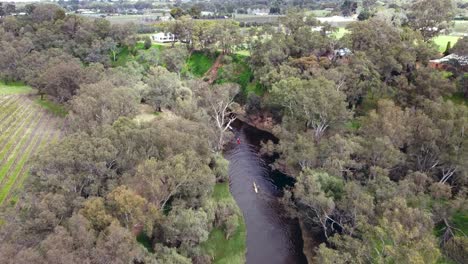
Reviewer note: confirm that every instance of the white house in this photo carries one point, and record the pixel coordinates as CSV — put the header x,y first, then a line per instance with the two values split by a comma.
x,y
207,13
163,37
166,18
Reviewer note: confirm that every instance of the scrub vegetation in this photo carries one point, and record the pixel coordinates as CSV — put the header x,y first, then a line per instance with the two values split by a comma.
x,y
116,156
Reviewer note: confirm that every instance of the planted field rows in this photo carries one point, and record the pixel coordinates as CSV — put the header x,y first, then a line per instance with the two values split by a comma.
x,y
25,128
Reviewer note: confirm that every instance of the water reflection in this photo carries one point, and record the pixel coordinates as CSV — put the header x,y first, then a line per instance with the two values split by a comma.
x,y
272,237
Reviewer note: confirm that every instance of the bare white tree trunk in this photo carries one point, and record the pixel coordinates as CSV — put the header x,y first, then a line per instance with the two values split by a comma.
x,y
223,116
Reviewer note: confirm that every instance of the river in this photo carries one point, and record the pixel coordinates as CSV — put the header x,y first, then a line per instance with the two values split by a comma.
x,y
272,236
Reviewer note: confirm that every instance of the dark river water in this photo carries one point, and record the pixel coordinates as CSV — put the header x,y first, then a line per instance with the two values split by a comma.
x,y
272,237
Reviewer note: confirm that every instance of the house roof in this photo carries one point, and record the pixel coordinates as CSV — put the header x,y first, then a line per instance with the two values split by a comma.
x,y
462,60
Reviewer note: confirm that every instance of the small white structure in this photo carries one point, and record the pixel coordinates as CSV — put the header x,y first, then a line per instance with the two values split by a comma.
x,y
163,37
207,13
166,18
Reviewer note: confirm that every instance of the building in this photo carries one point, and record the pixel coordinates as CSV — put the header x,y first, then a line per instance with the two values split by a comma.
x,y
163,37
452,61
166,18
207,13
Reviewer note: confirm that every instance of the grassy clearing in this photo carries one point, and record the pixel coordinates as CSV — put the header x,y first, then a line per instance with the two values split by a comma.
x,y
340,32
137,19
54,108
226,251
15,88
320,13
199,63
442,40
245,53
125,55
460,27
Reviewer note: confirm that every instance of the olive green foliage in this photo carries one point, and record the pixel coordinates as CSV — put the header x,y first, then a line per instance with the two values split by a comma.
x,y
378,154
372,134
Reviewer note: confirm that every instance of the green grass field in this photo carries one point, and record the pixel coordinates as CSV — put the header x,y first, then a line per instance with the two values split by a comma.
x,y
320,13
14,88
25,128
442,40
125,55
340,32
52,107
460,27
226,251
137,19
199,63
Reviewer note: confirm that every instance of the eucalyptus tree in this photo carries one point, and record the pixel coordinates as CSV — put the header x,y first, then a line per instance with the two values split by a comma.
x,y
101,104
162,88
218,102
317,104
430,17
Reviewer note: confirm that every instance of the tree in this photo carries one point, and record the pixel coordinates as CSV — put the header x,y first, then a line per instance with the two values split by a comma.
x,y
117,245
10,8
314,192
182,175
186,226
218,101
162,88
424,83
195,12
461,47
11,56
348,8
430,17
101,104
175,58
391,50
47,12
315,103
147,43
112,46
447,49
227,35
177,12
132,210
61,79
78,166
364,15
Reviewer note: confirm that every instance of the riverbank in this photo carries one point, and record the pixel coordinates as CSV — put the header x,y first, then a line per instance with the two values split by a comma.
x,y
261,121
225,250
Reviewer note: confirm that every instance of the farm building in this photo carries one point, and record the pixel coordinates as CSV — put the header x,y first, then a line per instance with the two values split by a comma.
x,y
450,61
163,37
